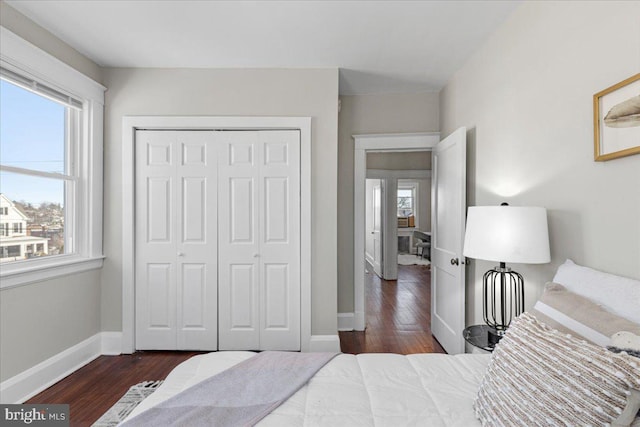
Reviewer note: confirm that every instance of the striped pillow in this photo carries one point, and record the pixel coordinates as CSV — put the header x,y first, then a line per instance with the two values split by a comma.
x,y
539,376
572,313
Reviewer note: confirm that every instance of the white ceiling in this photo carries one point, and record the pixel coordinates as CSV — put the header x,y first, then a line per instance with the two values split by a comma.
x,y
379,46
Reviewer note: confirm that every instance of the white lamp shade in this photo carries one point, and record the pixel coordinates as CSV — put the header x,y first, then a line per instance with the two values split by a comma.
x,y
507,234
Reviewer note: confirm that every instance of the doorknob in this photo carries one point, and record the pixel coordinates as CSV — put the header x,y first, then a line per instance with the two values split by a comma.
x,y
256,255
180,253
455,261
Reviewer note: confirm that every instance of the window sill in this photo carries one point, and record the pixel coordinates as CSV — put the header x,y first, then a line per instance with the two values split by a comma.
x,y
55,268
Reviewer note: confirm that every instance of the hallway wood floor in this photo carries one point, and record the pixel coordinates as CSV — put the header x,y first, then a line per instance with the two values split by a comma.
x,y
398,319
398,315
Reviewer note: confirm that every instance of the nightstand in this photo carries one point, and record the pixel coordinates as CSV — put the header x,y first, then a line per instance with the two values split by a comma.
x,y
478,336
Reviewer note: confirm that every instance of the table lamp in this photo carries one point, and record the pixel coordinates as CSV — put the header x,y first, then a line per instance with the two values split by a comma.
x,y
505,234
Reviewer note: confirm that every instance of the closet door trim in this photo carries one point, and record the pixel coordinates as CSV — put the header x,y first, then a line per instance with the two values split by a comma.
x,y
132,123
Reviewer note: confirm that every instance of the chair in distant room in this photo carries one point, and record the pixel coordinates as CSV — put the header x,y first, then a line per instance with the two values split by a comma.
x,y
423,247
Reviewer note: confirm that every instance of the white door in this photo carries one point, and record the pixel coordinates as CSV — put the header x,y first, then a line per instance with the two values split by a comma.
x,y
448,221
176,241
374,224
259,240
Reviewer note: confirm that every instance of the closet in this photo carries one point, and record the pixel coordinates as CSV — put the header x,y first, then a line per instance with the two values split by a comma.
x,y
217,233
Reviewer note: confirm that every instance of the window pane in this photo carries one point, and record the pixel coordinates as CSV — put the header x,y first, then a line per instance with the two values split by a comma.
x,y
32,223
405,202
32,135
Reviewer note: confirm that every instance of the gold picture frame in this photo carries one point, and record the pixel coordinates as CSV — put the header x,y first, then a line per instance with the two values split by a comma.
x,y
616,120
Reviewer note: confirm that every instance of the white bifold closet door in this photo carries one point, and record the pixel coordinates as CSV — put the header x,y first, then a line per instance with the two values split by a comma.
x,y
176,240
259,240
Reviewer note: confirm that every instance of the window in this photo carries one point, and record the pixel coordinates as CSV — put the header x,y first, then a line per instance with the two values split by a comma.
x,y
406,204
408,211
13,251
50,166
38,172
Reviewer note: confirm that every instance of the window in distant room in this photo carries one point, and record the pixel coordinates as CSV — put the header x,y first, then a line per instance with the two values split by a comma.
x,y
407,203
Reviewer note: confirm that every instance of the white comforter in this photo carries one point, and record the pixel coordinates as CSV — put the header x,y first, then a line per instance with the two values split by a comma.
x,y
364,390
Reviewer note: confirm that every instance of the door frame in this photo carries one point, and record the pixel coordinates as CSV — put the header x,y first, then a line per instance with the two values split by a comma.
x,y
132,123
364,144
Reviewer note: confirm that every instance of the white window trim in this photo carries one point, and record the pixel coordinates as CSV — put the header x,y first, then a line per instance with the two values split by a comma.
x,y
22,57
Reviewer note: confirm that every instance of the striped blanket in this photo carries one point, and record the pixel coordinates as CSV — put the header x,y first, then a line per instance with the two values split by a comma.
x,y
239,396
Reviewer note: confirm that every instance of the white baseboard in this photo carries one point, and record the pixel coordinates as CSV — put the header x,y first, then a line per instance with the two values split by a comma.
x,y
28,383
324,343
345,321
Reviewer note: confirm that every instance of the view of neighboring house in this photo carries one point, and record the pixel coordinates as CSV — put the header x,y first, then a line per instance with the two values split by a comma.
x,y
16,241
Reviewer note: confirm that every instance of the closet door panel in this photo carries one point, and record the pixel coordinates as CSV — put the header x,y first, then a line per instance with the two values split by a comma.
x,y
159,289
197,246
194,209
242,286
259,240
176,241
155,241
158,201
280,240
276,286
241,216
194,296
239,250
276,209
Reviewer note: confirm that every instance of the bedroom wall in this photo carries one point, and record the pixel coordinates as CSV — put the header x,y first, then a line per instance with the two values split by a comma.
x,y
399,161
365,114
39,320
526,100
229,92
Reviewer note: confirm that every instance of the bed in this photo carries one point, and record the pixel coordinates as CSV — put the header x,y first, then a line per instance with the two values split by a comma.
x,y
362,390
462,390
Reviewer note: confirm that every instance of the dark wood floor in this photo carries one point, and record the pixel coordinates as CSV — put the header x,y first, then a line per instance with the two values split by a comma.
x,y
398,315
398,321
93,389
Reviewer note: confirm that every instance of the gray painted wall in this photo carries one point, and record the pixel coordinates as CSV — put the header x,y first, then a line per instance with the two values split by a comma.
x,y
364,114
228,92
39,320
526,100
399,161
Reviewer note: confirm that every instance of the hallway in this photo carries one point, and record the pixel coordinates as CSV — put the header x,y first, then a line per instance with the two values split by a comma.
x,y
398,315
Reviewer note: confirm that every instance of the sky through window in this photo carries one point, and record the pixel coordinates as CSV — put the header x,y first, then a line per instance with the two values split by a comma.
x,y
32,136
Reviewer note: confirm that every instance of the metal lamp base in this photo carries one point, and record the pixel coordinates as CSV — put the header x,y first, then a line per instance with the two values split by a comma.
x,y
503,291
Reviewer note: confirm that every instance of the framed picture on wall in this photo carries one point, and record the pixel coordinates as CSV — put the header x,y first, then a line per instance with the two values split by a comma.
x,y
616,120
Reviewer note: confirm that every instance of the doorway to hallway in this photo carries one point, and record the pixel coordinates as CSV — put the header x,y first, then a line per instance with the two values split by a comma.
x,y
398,315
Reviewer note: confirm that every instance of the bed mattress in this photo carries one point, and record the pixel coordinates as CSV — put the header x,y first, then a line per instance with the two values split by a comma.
x,y
364,390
